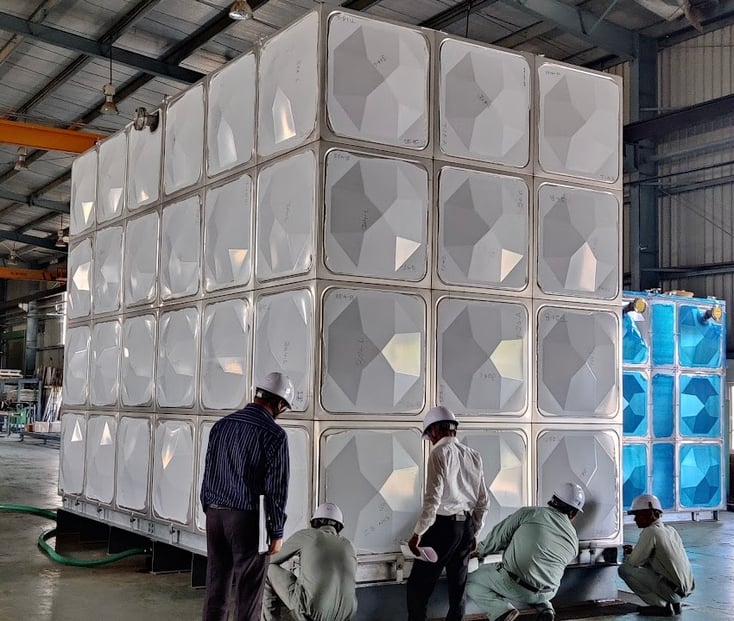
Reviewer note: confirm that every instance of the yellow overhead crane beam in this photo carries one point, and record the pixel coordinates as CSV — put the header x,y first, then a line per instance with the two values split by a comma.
x,y
47,138
21,273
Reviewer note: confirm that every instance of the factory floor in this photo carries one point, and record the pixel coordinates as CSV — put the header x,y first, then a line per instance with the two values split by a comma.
x,y
34,588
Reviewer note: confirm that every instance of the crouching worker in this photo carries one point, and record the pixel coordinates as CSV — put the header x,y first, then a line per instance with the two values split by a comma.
x,y
537,543
657,568
324,589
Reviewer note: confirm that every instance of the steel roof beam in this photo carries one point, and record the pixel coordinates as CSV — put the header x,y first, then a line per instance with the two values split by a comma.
x,y
90,47
358,5
455,13
45,137
582,24
32,201
29,240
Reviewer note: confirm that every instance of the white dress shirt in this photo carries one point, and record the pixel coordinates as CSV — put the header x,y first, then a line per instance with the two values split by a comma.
x,y
454,484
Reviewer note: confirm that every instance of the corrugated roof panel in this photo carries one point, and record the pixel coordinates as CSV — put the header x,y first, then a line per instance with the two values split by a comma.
x,y
90,19
412,12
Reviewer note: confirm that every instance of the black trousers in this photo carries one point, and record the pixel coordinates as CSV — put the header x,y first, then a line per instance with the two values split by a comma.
x,y
453,542
235,570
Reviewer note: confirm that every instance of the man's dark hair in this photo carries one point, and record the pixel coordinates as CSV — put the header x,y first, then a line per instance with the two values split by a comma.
x,y
445,425
269,398
563,507
319,522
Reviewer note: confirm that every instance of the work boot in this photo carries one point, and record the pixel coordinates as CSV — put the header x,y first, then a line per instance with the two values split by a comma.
x,y
547,614
676,608
510,615
655,611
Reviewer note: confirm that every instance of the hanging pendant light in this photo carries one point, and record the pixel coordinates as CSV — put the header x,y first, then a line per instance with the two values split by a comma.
x,y
109,106
240,10
20,163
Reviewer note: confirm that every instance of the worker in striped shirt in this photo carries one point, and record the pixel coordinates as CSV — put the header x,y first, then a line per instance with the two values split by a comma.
x,y
247,457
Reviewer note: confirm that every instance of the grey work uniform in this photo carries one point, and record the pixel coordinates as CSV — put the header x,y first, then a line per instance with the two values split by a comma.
x,y
324,590
538,543
658,570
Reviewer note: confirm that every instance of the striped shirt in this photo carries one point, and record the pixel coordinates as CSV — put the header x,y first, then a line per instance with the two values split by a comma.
x,y
247,457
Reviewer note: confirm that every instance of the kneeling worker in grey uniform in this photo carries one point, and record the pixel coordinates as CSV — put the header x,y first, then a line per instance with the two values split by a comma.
x,y
657,568
324,589
537,544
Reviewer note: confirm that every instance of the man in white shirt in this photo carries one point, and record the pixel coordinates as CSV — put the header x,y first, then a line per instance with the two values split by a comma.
x,y
536,544
657,569
454,506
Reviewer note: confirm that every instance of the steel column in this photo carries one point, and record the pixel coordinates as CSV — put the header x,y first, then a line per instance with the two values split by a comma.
x,y
644,242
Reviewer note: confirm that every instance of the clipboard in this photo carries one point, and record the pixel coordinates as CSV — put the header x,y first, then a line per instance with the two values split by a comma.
x,y
263,541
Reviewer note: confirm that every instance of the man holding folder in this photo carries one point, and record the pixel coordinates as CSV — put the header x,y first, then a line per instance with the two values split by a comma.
x,y
247,458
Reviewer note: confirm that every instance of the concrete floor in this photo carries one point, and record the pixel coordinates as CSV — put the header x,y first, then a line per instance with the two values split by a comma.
x,y
34,588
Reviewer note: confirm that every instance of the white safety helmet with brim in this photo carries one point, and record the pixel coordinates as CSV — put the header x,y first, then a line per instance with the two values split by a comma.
x,y
279,385
571,494
438,414
645,502
328,511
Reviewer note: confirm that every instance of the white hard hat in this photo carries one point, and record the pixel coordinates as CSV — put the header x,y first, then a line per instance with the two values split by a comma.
x,y
279,385
645,501
572,494
328,511
437,415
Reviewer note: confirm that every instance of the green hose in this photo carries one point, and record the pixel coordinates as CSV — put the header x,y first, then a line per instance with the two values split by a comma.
x,y
53,554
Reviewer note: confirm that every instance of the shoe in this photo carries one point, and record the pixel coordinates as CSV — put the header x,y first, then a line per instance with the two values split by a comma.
x,y
547,614
655,611
510,615
676,608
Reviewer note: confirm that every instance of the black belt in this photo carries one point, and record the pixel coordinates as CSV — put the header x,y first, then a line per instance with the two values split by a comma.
x,y
457,517
522,583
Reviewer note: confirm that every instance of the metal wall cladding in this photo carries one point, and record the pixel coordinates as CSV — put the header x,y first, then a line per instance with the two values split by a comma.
x,y
483,356
484,230
73,443
111,177
137,364
100,458
76,366
172,485
578,358
225,354
179,274
107,270
178,357
506,457
140,259
329,207
578,242
589,457
369,357
133,459
343,75
484,104
144,163
579,123
183,161
374,473
104,364
230,116
674,415
79,298
375,209
228,230
83,193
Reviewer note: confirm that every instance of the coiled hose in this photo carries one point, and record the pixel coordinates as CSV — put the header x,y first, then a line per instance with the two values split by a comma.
x,y
53,554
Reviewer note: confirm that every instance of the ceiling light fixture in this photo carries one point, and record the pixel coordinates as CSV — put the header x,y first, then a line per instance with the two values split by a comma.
x,y
12,257
61,239
109,106
240,10
20,163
